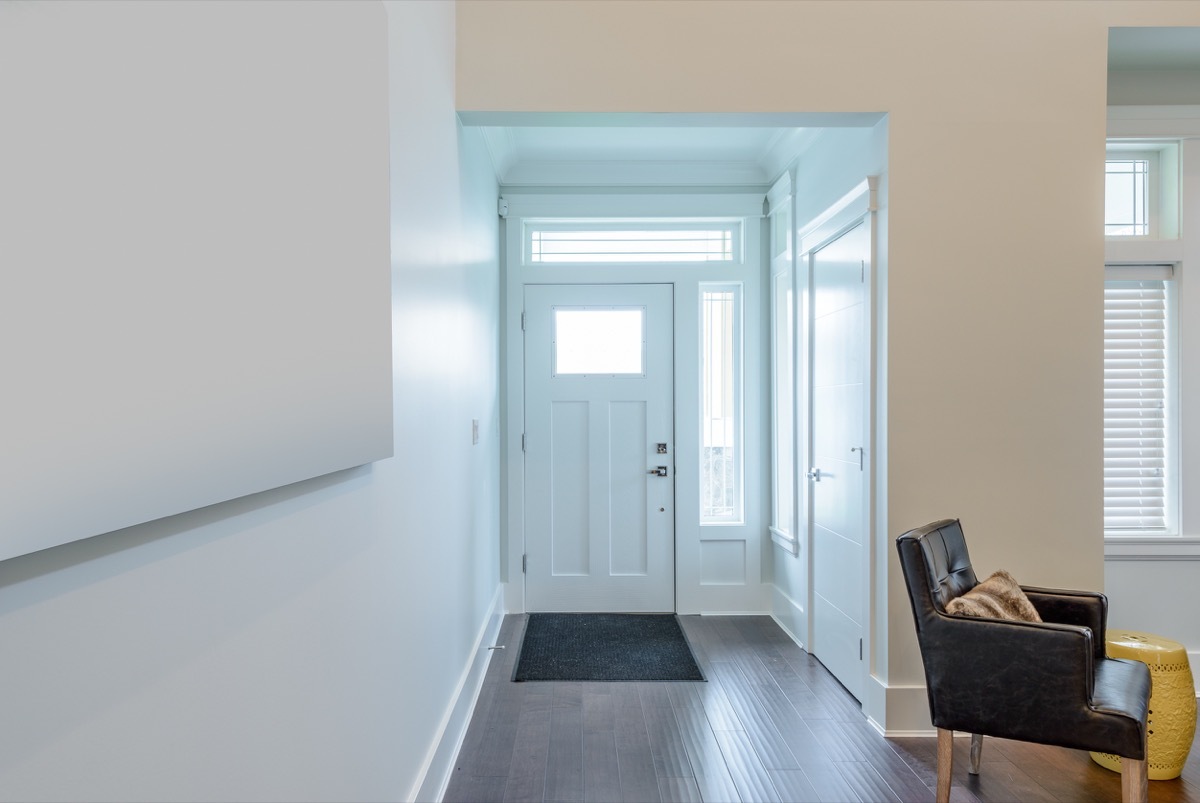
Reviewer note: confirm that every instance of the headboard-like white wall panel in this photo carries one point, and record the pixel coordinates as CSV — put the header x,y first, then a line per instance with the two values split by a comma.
x,y
194,270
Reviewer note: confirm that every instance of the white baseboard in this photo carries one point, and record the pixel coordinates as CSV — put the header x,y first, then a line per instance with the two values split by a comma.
x,y
788,614
439,763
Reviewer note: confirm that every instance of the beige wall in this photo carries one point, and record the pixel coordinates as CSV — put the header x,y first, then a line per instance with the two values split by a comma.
x,y
997,125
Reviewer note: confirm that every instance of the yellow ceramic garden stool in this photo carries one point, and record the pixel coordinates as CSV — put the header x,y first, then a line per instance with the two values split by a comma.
x,y
1172,719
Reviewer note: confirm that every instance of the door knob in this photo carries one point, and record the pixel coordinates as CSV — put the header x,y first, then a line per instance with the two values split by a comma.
x,y
658,471
814,474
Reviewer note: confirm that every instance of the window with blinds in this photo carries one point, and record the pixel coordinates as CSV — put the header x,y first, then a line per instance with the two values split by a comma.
x,y
1138,448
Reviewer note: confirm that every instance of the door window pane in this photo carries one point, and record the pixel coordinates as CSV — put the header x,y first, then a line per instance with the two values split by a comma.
x,y
599,341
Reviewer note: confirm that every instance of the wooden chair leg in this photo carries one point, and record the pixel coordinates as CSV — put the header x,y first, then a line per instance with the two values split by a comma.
x,y
1133,780
976,752
945,763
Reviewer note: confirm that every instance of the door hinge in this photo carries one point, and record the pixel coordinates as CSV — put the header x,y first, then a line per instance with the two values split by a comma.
x,y
862,274
525,567
860,649
502,207
522,441
522,322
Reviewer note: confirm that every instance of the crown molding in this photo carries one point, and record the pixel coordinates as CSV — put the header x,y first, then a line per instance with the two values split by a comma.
x,y
501,148
646,173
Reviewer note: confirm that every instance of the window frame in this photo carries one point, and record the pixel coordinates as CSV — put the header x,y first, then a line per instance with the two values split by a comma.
x,y
1172,132
531,226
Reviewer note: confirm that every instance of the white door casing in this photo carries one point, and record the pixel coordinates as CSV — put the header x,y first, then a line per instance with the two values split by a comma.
x,y
599,528
837,475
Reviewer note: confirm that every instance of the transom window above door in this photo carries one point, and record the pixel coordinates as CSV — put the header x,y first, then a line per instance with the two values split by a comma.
x,y
599,242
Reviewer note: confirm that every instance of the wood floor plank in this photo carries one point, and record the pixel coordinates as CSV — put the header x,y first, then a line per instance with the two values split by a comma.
x,y
756,721
895,771
708,763
601,771
746,768
496,750
598,709
834,742
682,790
471,789
710,699
794,786
666,742
831,786
639,781
867,783
531,754
564,767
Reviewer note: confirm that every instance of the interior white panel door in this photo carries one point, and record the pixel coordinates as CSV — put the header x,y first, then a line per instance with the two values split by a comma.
x,y
836,477
599,448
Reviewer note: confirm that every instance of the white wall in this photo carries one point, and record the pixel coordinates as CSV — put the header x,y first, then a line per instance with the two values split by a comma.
x,y
306,643
996,125
836,162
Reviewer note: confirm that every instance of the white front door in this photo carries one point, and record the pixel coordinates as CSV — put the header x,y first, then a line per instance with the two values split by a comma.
x,y
599,448
837,476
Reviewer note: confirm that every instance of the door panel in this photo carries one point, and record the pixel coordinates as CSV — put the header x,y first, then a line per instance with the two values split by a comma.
x,y
839,353
599,532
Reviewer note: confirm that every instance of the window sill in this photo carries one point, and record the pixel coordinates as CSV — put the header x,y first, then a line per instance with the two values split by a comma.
x,y
1151,548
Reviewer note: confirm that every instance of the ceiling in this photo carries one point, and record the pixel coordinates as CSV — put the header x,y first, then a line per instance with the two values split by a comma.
x,y
680,150
1154,49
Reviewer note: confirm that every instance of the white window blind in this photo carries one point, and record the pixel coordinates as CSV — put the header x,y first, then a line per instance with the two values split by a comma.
x,y
632,241
1137,385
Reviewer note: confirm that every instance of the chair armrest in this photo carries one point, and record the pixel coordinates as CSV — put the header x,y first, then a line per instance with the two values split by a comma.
x,y
1085,608
1006,678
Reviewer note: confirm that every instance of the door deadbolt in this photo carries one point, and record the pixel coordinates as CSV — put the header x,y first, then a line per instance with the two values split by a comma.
x,y
658,471
814,474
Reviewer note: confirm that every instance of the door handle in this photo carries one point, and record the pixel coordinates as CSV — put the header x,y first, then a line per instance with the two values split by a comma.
x,y
658,471
814,474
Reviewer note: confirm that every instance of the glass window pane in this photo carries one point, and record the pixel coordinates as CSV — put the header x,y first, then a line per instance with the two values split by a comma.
x,y
720,417
599,341
784,327
621,242
1125,192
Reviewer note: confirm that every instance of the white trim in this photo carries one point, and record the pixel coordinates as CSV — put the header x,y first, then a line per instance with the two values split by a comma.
x,y
545,205
1139,250
786,540
784,150
501,149
1153,121
667,119
1123,548
618,173
850,208
784,601
439,761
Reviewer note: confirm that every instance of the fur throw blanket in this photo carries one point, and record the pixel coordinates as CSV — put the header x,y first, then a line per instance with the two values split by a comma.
x,y
998,597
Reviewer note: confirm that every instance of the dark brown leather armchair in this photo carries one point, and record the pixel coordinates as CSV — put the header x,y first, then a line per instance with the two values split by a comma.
x,y
1048,682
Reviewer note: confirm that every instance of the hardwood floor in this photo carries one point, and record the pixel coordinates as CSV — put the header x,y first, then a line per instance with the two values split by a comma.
x,y
771,724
